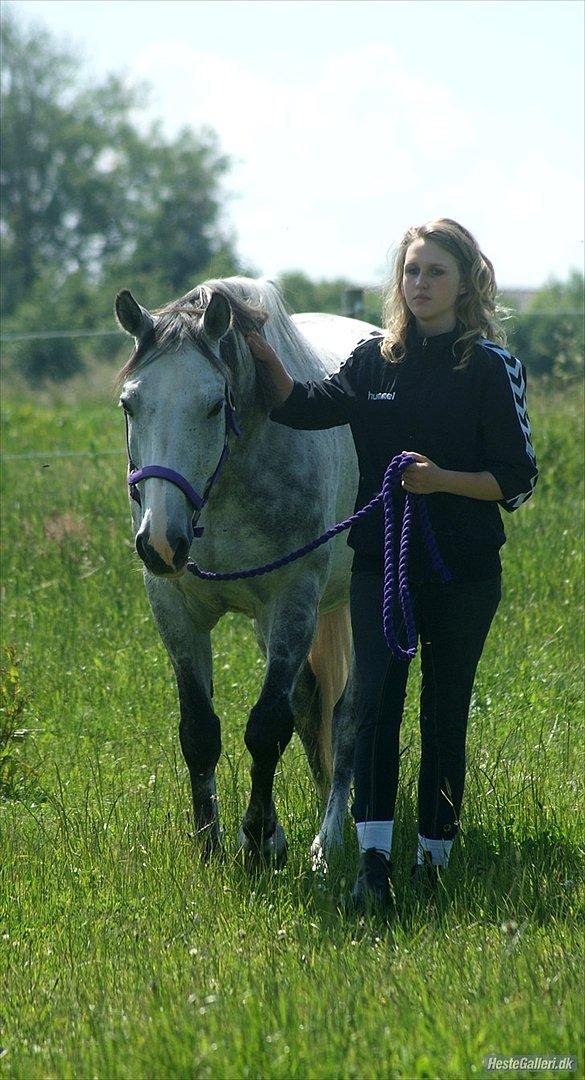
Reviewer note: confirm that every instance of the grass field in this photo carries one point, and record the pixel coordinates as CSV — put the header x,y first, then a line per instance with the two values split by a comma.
x,y
121,956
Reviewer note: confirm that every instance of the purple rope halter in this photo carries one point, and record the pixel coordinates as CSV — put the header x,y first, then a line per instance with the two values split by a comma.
x,y
391,479
162,473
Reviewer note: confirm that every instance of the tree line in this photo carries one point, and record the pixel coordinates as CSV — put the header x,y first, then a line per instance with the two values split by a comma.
x,y
93,196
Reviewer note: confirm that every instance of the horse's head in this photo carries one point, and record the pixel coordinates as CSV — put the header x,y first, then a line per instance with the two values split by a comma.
x,y
177,396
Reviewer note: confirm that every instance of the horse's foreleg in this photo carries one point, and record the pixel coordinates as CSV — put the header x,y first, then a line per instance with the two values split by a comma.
x,y
288,631
268,733
189,648
200,737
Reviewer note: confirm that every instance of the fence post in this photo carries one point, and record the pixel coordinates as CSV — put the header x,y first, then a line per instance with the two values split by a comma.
x,y
353,303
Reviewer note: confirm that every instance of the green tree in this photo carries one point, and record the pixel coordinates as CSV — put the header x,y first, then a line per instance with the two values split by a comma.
x,y
302,294
91,203
174,204
549,334
299,292
84,189
56,183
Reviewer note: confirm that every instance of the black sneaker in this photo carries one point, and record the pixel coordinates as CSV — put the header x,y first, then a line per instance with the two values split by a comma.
x,y
373,888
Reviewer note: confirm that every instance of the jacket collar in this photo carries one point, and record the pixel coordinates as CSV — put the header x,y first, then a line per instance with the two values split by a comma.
x,y
435,345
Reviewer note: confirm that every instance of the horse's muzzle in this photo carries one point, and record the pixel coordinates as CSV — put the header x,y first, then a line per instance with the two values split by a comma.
x,y
164,560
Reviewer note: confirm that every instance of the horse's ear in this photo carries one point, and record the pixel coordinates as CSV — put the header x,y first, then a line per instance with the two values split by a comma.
x,y
217,317
131,316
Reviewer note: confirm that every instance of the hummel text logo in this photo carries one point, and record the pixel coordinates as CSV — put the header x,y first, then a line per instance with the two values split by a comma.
x,y
381,397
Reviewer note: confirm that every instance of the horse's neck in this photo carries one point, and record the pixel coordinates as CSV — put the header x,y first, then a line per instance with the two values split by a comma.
x,y
252,453
251,402
240,371
245,384
301,363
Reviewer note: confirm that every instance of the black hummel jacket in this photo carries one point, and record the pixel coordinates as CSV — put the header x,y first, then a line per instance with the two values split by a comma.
x,y
470,421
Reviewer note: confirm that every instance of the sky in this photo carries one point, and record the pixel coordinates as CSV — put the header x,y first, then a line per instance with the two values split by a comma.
x,y
347,121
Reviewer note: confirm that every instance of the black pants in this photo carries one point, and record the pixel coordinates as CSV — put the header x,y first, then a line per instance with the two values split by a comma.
x,y
452,621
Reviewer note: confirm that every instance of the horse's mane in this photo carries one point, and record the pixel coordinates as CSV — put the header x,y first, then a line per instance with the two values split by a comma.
x,y
255,303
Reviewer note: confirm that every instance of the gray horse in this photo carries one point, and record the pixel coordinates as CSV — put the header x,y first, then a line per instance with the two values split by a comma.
x,y
191,397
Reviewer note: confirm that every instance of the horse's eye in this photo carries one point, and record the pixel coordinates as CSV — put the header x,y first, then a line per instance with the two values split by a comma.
x,y
215,409
125,405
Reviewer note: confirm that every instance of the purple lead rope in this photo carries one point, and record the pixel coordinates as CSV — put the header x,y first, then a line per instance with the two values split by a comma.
x,y
391,479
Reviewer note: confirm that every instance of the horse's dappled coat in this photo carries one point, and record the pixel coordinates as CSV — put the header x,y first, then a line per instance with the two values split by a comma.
x,y
279,489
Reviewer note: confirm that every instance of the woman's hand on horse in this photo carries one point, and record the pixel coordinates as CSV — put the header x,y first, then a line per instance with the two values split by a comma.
x,y
260,348
275,379
423,477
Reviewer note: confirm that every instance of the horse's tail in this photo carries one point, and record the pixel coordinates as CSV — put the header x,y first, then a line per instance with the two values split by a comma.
x,y
329,659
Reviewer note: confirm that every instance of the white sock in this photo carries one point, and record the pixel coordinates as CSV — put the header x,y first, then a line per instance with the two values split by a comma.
x,y
439,851
375,834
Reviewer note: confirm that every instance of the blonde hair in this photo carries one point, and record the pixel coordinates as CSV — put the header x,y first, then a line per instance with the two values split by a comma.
x,y
476,310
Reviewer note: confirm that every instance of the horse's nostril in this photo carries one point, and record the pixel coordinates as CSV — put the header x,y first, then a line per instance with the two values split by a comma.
x,y
181,553
140,545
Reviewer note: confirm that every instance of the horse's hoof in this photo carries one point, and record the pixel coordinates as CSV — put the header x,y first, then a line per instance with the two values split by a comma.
x,y
271,851
208,846
318,856
276,847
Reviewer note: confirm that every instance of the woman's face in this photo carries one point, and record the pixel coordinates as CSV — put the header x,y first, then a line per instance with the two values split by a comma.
x,y
432,285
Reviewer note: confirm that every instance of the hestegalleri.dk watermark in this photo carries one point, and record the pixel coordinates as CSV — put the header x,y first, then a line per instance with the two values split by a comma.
x,y
530,1062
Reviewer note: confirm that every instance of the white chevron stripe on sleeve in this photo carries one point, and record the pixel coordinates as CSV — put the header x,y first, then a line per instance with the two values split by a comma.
x,y
519,499
518,387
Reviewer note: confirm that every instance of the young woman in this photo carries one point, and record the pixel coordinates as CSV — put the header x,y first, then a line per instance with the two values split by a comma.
x,y
439,384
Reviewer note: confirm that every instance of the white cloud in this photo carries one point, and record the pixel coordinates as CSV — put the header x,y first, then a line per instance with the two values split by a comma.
x,y
331,166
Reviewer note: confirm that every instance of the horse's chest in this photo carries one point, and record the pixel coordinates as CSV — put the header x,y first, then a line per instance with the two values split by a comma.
x,y
207,601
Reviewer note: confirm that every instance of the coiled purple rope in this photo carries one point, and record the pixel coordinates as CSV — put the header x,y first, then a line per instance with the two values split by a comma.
x,y
391,479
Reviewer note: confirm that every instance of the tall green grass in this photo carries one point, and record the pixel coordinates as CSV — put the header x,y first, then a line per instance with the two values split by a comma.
x,y
122,956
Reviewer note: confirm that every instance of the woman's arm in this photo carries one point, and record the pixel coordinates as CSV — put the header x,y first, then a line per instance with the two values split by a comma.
x,y
306,406
424,478
506,438
276,381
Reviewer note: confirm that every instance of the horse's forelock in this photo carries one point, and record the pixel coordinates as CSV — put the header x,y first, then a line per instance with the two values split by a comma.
x,y
245,300
253,302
